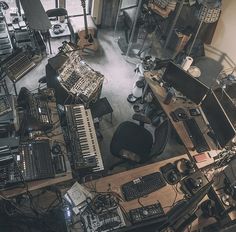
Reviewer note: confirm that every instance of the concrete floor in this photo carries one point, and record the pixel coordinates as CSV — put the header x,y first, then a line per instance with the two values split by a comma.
x,y
119,79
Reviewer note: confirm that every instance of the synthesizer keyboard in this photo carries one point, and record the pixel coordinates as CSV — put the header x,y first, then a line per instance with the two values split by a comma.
x,y
83,140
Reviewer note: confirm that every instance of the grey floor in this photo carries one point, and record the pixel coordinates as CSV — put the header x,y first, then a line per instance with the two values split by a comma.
x,y
119,79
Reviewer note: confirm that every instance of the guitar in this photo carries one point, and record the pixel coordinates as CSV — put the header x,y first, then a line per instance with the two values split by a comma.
x,y
86,36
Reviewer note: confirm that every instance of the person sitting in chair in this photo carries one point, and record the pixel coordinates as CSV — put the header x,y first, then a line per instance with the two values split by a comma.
x,y
162,9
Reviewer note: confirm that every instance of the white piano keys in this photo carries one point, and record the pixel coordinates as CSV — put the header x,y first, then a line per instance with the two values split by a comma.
x,y
87,135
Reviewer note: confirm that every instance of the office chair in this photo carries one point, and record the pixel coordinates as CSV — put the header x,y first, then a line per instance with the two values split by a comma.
x,y
134,143
52,13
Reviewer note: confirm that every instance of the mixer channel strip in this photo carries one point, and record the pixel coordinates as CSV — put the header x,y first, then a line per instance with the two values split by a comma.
x,y
17,65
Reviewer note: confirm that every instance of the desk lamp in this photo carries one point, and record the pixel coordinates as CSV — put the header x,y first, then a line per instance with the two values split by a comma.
x,y
207,13
35,14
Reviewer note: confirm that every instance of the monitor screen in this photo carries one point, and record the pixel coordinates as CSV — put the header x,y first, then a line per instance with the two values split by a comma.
x,y
217,118
227,104
183,82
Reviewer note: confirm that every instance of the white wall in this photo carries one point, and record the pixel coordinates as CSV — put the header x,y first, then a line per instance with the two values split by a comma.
x,y
96,11
224,40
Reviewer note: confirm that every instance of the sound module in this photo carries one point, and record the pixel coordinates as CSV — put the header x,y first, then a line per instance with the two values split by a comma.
x,y
37,106
105,216
79,79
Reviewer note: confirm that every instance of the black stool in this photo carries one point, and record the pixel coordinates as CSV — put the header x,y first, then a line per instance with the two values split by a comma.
x,y
101,107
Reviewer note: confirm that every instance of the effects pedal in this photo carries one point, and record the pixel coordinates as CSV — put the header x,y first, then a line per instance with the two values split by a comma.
x,y
146,213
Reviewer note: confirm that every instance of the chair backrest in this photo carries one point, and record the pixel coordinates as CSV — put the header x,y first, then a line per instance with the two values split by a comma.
x,y
56,12
162,133
131,137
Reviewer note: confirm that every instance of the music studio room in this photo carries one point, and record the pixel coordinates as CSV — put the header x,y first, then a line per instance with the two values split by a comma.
x,y
117,115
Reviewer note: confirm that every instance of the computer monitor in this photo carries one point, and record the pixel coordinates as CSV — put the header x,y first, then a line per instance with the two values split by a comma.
x,y
227,104
183,82
218,120
180,214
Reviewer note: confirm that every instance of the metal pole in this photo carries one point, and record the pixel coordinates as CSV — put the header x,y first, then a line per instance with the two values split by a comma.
x,y
117,18
18,6
133,28
195,37
174,23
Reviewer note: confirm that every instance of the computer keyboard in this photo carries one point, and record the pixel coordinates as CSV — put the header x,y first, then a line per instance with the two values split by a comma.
x,y
196,136
143,186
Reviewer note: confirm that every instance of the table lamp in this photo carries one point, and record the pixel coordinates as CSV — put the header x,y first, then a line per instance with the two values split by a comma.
x,y
35,14
205,14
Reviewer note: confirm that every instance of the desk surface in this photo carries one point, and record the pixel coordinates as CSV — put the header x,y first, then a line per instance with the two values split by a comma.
x,y
167,195
38,184
160,94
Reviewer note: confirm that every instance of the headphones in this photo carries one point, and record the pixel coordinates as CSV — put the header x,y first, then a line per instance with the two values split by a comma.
x,y
185,166
57,29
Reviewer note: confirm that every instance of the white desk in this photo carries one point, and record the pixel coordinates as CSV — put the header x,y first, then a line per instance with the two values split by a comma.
x,y
66,31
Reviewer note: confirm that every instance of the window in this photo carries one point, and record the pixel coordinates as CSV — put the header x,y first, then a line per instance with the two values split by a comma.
x,y
74,7
11,3
12,7
128,3
48,4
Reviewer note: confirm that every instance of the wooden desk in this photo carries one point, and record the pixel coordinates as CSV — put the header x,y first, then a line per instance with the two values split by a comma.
x,y
160,93
38,184
167,195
